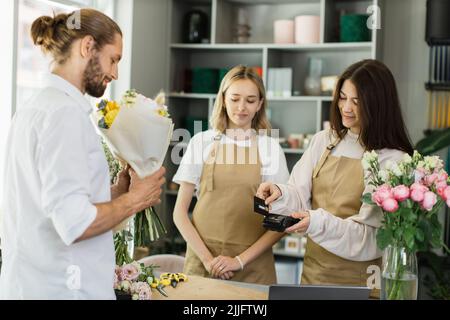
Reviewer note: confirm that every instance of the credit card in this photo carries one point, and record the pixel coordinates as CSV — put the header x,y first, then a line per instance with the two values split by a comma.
x,y
260,206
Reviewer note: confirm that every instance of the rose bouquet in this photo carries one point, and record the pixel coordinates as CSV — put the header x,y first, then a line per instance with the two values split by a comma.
x,y
410,194
134,281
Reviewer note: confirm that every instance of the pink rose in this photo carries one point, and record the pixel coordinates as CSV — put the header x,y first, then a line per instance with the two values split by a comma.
x,y
440,184
442,176
390,205
429,200
417,195
441,192
418,186
446,193
400,193
130,272
418,191
448,203
118,272
382,193
116,281
141,290
430,179
419,174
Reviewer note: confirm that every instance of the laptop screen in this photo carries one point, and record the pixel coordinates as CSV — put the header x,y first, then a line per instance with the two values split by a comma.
x,y
309,292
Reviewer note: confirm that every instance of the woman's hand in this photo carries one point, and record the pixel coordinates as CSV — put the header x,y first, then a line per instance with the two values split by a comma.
x,y
302,226
223,267
269,192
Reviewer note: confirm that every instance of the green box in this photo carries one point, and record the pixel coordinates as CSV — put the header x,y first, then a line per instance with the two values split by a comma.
x,y
204,80
353,28
222,73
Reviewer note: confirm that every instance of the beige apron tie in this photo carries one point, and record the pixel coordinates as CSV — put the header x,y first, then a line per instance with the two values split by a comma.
x,y
209,177
324,158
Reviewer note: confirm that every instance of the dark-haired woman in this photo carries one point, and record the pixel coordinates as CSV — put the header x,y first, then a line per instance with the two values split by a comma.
x,y
327,183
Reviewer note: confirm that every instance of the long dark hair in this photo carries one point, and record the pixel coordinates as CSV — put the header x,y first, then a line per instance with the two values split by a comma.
x,y
380,115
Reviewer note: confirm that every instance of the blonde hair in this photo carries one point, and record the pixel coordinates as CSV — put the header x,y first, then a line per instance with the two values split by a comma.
x,y
55,36
219,119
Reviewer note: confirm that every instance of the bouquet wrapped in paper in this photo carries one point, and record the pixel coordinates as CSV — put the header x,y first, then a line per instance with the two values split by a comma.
x,y
137,130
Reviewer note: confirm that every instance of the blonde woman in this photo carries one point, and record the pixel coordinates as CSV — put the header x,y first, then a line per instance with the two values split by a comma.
x,y
225,238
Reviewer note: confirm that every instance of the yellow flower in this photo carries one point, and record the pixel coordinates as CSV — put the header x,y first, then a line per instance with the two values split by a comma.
x,y
163,112
112,105
110,117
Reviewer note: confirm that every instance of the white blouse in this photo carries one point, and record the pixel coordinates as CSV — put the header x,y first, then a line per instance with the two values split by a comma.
x,y
273,160
353,238
55,172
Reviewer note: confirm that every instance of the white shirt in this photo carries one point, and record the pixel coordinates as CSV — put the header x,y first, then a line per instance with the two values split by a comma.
x,y
55,171
353,238
271,155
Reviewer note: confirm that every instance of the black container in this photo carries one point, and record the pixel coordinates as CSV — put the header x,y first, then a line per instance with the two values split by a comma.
x,y
195,27
437,30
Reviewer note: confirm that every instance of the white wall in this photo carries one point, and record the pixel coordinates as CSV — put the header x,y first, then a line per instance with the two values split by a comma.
x,y
405,52
150,44
8,25
123,16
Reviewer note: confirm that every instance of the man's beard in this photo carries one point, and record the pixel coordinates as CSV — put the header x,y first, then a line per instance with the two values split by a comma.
x,y
93,78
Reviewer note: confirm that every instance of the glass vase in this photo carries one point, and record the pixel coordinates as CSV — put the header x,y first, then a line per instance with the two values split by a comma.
x,y
130,237
399,277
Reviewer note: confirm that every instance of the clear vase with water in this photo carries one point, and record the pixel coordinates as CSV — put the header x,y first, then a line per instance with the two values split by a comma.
x,y
399,278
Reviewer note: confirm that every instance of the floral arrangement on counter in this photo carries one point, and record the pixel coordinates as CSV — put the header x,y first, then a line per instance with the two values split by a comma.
x,y
135,281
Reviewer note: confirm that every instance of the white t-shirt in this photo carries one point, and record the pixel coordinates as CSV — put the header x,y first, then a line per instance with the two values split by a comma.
x,y
55,171
271,155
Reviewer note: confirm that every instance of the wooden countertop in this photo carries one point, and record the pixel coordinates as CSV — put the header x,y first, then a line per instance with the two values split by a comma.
x,y
199,288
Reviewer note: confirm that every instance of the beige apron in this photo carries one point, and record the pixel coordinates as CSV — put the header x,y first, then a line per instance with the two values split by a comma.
x,y
223,215
337,185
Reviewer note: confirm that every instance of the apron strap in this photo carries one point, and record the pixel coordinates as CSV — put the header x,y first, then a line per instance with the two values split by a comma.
x,y
212,160
324,157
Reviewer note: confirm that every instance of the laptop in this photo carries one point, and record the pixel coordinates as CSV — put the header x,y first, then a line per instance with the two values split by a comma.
x,y
314,292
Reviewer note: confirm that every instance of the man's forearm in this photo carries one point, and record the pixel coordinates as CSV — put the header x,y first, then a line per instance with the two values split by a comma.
x,y
109,215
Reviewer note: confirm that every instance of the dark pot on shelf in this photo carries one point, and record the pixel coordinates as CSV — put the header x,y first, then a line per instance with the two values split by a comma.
x,y
195,27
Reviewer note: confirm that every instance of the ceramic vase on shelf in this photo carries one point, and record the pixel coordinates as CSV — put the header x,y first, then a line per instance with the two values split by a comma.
x,y
242,29
399,278
312,85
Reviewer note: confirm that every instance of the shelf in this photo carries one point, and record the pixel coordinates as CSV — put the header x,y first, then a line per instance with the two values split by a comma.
x,y
439,86
284,253
171,192
293,151
301,98
192,95
329,46
275,99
